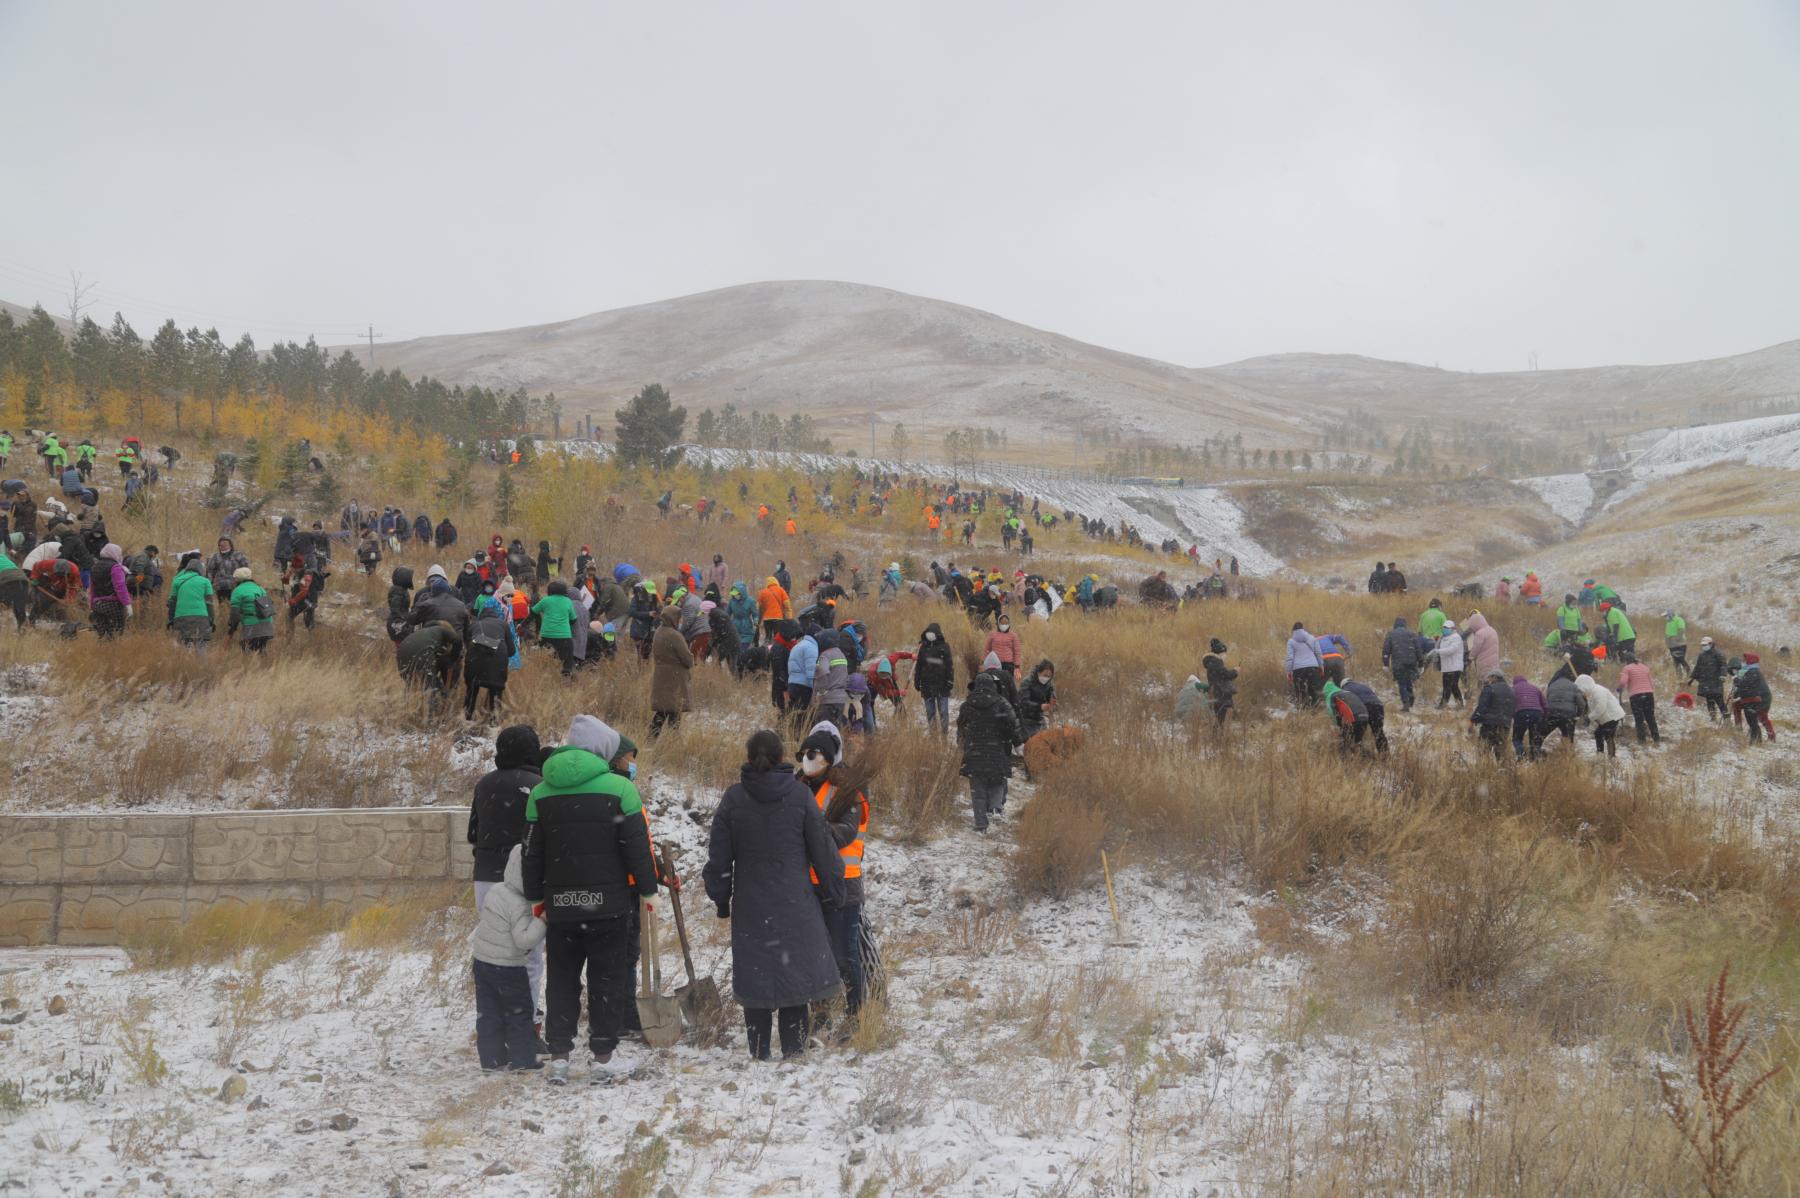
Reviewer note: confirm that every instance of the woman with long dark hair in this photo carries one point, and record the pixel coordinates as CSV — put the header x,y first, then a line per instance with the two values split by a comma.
x,y
767,832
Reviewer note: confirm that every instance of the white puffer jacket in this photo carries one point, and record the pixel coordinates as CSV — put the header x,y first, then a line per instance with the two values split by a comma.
x,y
1603,706
508,931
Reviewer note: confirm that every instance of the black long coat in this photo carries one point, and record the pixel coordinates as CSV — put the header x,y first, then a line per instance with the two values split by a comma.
x,y
766,832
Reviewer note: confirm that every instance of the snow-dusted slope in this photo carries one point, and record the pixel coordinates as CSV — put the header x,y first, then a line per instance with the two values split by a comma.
x,y
1206,516
1772,441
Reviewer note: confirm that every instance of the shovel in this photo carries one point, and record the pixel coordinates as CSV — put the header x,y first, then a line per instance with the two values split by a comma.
x,y
660,1017
700,1000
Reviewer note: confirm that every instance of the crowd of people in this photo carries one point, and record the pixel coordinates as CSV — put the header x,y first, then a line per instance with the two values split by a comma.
x,y
1592,631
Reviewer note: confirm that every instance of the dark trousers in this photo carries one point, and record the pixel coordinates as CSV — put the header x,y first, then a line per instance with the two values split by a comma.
x,y
1566,726
1715,705
1528,729
601,948
660,718
844,924
503,1009
1334,669
1606,738
16,594
796,1026
108,616
1756,714
565,652
988,795
1643,717
1492,737
1678,655
768,631
1403,681
1378,726
1452,688
799,702
1308,684
472,688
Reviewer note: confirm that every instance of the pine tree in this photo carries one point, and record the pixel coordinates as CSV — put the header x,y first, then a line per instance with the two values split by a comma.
x,y
902,441
505,499
706,428
649,428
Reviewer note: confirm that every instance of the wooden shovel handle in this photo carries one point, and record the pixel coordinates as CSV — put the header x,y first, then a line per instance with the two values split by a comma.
x,y
687,956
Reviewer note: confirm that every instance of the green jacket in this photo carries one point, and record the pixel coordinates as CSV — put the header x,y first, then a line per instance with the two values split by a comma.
x,y
6,444
55,452
1568,618
190,595
556,617
1605,594
85,452
243,603
1621,627
573,771
1675,631
1431,622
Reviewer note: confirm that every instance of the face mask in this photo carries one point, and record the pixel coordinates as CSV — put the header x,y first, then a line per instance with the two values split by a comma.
x,y
1044,678
1004,626
813,766
631,771
931,636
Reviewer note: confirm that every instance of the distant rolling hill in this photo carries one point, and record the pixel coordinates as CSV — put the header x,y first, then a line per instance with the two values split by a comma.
x,y
844,351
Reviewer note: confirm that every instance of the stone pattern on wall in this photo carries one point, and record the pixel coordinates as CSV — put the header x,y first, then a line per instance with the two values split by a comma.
x,y
99,879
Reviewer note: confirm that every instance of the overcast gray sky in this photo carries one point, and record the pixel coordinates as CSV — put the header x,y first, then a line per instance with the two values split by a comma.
x,y
1454,183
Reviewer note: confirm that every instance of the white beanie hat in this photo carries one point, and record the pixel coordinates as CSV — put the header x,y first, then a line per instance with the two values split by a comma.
x,y
436,572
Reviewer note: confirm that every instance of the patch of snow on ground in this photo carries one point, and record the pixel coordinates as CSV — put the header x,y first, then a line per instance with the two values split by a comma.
x,y
1568,495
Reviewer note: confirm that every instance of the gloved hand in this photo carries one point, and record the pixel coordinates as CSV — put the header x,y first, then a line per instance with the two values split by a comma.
x,y
128,611
537,909
725,909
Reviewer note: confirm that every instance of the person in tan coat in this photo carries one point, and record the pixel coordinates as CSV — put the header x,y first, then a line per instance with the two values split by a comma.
x,y
671,660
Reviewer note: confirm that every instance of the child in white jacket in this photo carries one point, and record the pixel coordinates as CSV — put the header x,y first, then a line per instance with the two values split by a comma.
x,y
1604,712
502,940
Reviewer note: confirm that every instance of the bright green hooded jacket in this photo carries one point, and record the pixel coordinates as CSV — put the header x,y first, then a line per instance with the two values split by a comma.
x,y
190,594
243,602
573,771
1431,622
556,617
1620,625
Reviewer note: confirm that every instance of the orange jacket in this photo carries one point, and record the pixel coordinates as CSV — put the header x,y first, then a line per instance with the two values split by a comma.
x,y
774,602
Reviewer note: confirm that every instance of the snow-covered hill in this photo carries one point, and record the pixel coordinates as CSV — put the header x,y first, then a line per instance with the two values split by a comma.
x,y
1206,516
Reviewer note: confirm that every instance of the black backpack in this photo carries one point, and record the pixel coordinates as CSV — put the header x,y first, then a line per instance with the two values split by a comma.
x,y
263,606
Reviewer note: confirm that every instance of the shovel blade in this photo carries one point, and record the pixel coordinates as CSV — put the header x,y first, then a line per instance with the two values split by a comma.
x,y
661,1020
700,999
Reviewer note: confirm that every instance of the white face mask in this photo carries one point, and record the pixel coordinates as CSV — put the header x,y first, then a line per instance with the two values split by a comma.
x,y
1044,678
813,766
931,636
1004,626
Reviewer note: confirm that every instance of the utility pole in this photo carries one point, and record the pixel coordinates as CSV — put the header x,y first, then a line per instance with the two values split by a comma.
x,y
372,334
871,434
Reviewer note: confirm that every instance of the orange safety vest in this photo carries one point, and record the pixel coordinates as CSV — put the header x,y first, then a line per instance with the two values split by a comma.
x,y
933,521
521,607
790,528
852,853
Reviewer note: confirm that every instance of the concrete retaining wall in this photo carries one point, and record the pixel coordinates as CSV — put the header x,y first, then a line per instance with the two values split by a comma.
x,y
98,879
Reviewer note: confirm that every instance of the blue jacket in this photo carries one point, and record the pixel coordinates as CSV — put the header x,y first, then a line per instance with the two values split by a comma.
x,y
1302,650
1334,642
803,658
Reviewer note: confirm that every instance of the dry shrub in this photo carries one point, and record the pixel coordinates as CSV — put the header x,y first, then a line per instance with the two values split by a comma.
x,y
1061,831
270,932
913,781
1472,917
1707,1116
1051,747
415,923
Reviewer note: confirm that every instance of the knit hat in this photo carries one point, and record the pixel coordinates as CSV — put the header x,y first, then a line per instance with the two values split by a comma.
x,y
991,661
825,738
1751,659
626,745
591,733
1217,646
436,572
517,747
241,574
